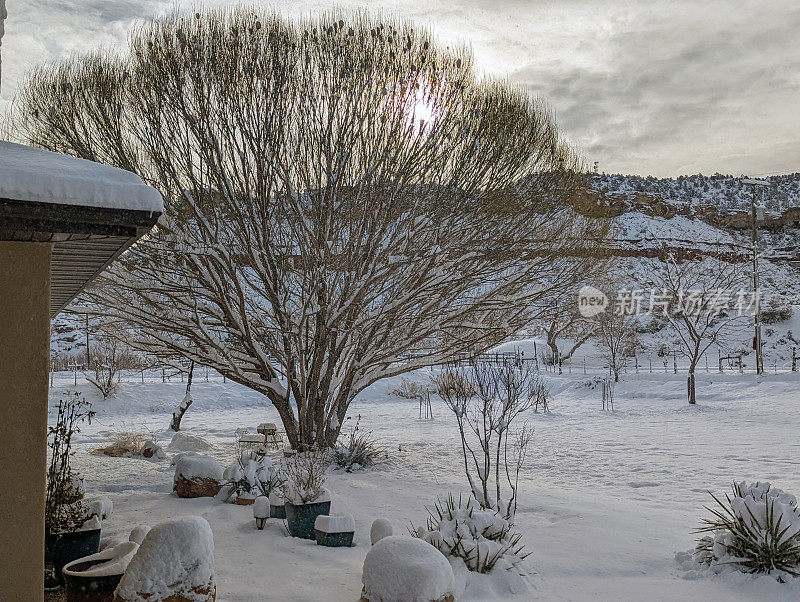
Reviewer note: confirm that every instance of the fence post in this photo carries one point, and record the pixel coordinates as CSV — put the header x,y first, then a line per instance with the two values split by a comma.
x,y
794,359
706,364
636,359
163,377
675,361
584,365
650,360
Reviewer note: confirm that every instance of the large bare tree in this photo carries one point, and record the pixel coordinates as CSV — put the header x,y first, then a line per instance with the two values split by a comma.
x,y
346,201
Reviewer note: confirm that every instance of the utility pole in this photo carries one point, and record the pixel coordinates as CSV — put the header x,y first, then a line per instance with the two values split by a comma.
x,y
756,213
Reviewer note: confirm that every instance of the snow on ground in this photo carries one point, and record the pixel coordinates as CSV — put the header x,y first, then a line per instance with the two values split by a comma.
x,y
606,501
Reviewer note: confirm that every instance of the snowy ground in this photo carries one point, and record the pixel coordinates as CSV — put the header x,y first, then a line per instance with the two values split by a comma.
x,y
607,500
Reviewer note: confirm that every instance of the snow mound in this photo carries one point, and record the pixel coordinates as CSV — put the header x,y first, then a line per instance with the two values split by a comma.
x,y
261,507
99,506
188,443
110,561
138,533
197,467
335,524
405,569
380,528
176,559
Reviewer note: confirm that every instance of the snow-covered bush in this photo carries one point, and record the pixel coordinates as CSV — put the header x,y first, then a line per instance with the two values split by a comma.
x,y
481,538
357,450
251,476
175,561
409,570
757,529
304,476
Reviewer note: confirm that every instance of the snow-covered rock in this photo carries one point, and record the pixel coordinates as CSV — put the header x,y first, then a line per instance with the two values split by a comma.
x,y
406,569
152,450
335,524
100,506
380,528
188,443
197,476
175,562
109,561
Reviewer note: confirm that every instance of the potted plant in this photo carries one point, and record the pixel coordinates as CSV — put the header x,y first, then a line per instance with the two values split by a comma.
x,y
304,493
251,476
71,530
261,511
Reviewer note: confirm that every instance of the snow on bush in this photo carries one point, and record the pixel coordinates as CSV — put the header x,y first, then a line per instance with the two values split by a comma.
x,y
380,528
357,450
305,478
101,506
481,538
250,477
176,558
261,507
756,530
404,569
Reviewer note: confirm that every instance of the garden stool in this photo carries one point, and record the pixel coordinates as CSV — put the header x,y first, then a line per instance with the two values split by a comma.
x,y
272,438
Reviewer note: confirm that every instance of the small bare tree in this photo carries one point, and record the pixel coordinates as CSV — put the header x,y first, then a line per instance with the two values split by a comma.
x,y
177,415
345,201
617,336
698,298
109,357
486,399
562,319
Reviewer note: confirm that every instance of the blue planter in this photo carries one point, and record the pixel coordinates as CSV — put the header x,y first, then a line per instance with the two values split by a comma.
x,y
335,540
300,519
71,546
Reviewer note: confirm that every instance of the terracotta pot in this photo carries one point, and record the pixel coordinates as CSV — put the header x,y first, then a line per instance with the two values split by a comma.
x,y
245,501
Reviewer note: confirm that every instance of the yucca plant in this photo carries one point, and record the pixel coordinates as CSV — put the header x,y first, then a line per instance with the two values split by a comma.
x,y
757,529
481,538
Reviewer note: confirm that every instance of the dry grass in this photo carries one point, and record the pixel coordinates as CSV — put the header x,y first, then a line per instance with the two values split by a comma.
x,y
125,443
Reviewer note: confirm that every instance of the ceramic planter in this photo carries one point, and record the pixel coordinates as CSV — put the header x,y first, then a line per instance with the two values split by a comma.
x,y
300,518
71,546
277,511
245,501
85,588
334,540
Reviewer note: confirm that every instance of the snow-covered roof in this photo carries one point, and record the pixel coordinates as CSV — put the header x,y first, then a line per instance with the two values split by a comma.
x,y
33,174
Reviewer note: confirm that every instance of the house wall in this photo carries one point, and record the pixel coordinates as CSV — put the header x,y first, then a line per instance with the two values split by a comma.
x,y
24,362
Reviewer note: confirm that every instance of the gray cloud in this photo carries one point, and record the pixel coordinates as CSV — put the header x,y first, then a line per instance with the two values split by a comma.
x,y
643,87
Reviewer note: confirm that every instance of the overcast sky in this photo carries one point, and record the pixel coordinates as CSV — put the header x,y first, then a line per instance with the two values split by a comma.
x,y
642,86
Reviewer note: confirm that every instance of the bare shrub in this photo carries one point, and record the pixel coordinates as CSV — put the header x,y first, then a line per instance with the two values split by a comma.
x,y
408,389
359,449
304,476
125,443
108,357
486,400
450,382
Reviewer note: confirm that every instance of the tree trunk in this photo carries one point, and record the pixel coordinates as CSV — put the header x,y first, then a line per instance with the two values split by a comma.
x,y
177,415
691,385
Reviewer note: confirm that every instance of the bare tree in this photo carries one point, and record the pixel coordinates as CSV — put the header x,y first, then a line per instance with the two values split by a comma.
x,y
562,319
177,415
345,201
697,298
486,399
109,357
617,336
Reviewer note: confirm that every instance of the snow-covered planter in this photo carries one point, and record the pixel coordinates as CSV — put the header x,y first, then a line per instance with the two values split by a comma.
x,y
197,476
249,477
301,517
755,530
405,569
175,562
94,578
482,539
335,531
261,511
277,505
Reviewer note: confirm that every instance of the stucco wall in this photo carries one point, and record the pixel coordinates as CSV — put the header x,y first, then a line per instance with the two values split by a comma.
x,y
24,361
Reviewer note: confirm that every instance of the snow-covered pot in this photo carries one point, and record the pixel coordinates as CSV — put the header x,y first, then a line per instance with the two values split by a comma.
x,y
300,518
73,545
261,511
94,578
335,531
277,507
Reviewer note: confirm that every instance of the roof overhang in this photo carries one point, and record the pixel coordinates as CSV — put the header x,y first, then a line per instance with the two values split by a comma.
x,y
91,213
